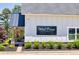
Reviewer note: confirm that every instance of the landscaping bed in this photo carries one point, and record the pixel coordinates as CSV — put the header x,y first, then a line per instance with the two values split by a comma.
x,y
7,48
50,45
10,49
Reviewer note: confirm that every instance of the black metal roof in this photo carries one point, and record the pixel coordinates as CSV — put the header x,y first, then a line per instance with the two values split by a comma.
x,y
17,20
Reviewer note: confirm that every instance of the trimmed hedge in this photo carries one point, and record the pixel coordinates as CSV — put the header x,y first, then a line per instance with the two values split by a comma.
x,y
52,45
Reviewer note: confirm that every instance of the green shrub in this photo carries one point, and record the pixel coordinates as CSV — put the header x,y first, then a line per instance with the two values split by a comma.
x,y
2,47
11,46
36,44
59,45
50,44
69,45
28,45
44,44
19,39
6,42
76,44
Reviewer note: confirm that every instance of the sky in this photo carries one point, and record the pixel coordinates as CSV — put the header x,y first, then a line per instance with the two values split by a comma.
x,y
7,5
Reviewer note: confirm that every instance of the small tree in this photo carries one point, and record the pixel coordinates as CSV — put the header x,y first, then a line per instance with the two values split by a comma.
x,y
16,9
5,13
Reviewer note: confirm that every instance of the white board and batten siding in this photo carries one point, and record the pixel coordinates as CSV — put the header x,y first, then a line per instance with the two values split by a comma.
x,y
61,21
46,39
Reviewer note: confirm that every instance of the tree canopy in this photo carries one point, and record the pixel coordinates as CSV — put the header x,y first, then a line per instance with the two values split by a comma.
x,y
16,9
6,11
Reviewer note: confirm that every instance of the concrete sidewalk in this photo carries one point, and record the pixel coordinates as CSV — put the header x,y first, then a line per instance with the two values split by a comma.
x,y
19,49
59,52
53,52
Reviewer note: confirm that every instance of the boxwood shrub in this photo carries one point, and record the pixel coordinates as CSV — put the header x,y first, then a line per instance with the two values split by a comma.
x,y
6,42
50,44
2,47
44,44
69,45
11,46
76,44
59,45
36,44
28,45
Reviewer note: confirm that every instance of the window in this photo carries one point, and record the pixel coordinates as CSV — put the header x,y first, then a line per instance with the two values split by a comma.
x,y
78,33
71,33
71,30
46,30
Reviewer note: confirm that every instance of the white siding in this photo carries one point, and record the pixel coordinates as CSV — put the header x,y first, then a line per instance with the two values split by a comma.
x,y
61,21
41,39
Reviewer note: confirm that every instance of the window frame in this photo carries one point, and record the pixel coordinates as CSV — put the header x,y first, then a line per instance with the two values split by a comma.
x,y
71,34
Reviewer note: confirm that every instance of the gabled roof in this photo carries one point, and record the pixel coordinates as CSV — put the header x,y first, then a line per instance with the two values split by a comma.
x,y
51,8
17,20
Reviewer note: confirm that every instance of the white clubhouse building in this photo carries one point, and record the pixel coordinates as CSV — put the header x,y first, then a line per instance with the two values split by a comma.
x,y
51,21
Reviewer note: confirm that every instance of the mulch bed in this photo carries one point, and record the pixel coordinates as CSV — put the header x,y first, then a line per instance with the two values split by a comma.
x,y
46,49
10,49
